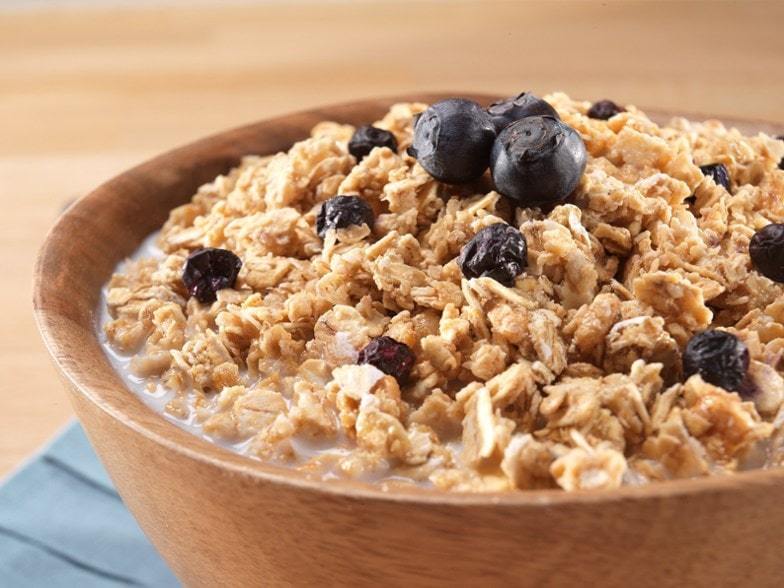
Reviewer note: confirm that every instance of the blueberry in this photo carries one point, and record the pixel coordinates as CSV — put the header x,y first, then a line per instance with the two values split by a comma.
x,y
719,357
390,356
340,212
538,161
452,140
781,163
498,251
366,138
209,270
719,173
505,112
604,109
766,250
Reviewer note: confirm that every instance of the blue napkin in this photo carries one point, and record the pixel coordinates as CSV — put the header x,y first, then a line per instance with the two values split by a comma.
x,y
62,524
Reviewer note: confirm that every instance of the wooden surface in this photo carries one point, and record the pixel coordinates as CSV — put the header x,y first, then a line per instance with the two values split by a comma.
x,y
84,93
219,518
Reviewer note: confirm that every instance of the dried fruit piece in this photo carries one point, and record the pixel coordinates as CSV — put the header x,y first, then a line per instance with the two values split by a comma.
x,y
604,109
719,173
719,357
538,161
366,138
505,112
498,251
766,250
390,356
209,270
341,212
452,140
781,163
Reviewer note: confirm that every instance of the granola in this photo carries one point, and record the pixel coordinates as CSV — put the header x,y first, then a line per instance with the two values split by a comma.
x,y
569,378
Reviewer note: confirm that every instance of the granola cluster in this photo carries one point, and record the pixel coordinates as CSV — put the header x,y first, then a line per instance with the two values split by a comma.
x,y
570,378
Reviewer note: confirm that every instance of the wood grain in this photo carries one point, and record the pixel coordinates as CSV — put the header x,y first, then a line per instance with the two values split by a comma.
x,y
85,93
220,518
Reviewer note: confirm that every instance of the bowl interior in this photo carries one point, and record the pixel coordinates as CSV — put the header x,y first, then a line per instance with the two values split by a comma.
x,y
107,225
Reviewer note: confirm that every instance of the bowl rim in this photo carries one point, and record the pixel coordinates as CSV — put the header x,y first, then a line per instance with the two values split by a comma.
x,y
55,333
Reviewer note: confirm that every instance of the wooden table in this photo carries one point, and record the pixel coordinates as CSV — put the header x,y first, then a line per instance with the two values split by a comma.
x,y
87,92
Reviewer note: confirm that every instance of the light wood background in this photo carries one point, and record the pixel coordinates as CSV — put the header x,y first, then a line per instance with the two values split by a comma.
x,y
86,91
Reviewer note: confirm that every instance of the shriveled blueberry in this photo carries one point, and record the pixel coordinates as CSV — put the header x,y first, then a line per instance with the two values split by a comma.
x,y
719,357
498,251
604,109
452,140
366,138
340,212
538,161
209,270
390,356
505,112
719,173
766,250
781,163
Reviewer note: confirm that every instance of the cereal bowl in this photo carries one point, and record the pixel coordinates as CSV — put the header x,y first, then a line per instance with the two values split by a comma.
x,y
219,518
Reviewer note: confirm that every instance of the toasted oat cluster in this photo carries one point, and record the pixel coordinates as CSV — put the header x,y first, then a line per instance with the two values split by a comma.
x,y
569,377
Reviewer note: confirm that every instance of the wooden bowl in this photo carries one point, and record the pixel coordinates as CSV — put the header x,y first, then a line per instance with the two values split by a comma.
x,y
220,519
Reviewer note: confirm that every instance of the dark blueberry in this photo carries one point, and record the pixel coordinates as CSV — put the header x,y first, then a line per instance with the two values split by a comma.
x,y
341,212
498,251
604,109
391,357
538,161
719,173
366,138
452,140
781,163
209,270
766,250
719,357
505,112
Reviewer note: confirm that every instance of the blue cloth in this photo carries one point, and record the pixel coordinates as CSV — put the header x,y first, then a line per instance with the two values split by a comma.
x,y
62,524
